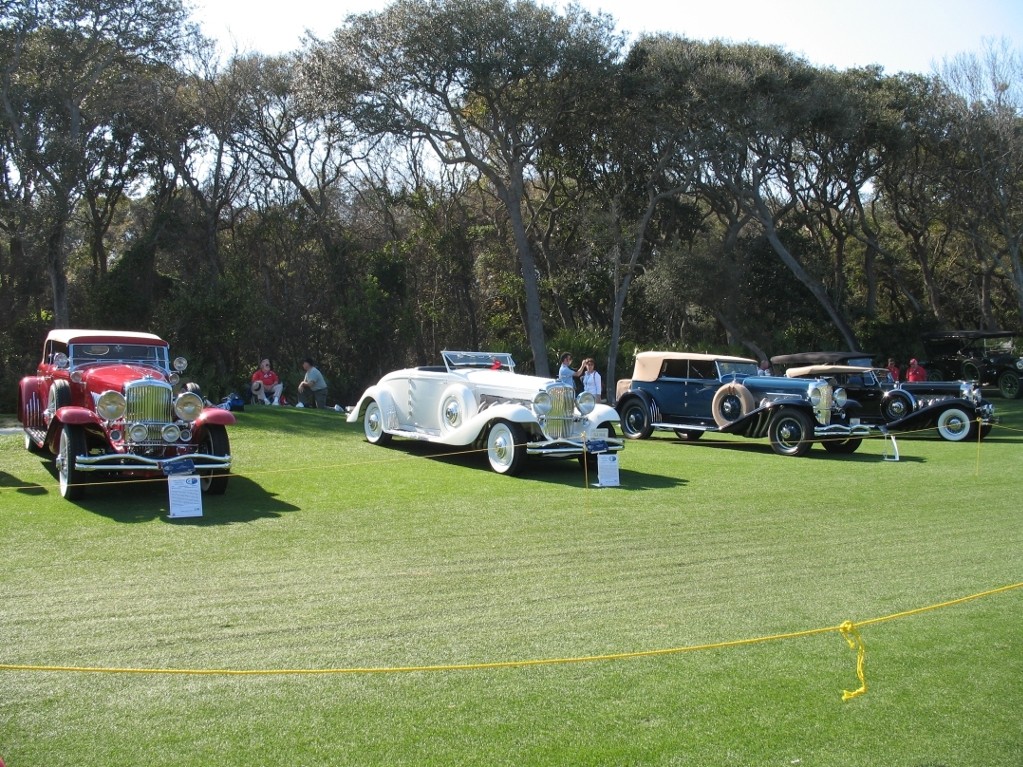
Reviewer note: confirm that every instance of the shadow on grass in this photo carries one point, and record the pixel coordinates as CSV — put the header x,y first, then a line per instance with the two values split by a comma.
x,y
21,486
557,471
816,452
128,500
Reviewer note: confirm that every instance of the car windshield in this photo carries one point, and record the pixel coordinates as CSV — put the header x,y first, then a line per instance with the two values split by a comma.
x,y
481,360
998,346
85,354
740,369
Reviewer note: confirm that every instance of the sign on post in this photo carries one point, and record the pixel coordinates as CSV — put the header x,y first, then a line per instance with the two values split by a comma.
x,y
607,463
607,470
184,488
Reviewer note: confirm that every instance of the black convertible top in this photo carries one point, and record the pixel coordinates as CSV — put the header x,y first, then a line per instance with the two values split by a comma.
x,y
820,358
967,335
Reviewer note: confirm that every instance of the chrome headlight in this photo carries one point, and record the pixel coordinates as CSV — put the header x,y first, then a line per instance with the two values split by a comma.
x,y
542,403
173,379
188,406
816,394
1019,364
76,376
180,363
138,432
585,402
170,433
840,397
61,361
111,405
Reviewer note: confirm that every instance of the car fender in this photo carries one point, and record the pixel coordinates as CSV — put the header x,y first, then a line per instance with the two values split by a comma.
x,y
479,424
640,394
602,414
755,422
74,415
70,415
379,393
31,403
927,416
215,415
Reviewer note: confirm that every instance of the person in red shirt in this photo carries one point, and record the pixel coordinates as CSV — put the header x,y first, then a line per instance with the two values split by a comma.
x,y
264,382
893,369
915,373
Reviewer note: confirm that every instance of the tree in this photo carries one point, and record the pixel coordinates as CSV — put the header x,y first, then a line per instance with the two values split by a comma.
x,y
986,175
628,173
758,105
68,69
485,84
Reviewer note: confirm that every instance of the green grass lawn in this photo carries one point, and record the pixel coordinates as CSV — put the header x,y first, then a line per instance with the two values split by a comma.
x,y
331,555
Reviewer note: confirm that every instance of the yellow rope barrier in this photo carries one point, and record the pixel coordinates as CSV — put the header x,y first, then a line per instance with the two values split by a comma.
x,y
848,629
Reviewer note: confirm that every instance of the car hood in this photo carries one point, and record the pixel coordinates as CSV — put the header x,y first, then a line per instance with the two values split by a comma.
x,y
502,379
106,377
512,385
818,371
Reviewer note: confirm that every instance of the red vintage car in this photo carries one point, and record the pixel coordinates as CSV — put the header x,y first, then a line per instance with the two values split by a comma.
x,y
110,403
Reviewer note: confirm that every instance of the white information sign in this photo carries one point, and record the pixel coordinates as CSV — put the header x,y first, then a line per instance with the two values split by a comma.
x,y
607,470
185,495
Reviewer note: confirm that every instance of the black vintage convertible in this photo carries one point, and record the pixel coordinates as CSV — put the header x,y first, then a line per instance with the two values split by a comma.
x,y
954,409
984,356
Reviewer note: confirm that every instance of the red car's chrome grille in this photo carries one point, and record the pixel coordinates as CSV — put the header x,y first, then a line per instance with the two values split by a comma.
x,y
561,419
149,402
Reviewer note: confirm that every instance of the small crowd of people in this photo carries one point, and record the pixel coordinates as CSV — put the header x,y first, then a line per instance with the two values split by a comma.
x,y
268,389
586,377
915,372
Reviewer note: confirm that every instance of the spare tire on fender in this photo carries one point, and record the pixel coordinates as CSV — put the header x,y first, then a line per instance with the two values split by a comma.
x,y
731,402
457,405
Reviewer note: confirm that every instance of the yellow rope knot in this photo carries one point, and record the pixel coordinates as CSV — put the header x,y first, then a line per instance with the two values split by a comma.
x,y
855,642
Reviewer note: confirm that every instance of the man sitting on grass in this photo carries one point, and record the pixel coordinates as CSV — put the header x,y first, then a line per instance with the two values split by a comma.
x,y
265,381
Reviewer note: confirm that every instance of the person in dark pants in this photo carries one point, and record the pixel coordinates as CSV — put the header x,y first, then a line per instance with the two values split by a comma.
x,y
313,386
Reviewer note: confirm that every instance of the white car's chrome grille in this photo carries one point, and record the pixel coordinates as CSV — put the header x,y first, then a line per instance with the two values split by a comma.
x,y
561,419
149,402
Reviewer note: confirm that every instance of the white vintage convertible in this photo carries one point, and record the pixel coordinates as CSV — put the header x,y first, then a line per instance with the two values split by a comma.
x,y
477,398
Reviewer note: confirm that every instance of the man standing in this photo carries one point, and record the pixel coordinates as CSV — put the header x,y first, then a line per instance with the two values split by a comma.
x,y
265,381
915,373
313,383
565,373
893,369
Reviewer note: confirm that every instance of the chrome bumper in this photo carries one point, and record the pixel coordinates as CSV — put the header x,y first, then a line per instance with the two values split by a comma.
x,y
838,430
570,447
130,462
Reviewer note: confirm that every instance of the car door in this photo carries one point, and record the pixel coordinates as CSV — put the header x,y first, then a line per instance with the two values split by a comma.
x,y
702,383
424,395
669,390
50,373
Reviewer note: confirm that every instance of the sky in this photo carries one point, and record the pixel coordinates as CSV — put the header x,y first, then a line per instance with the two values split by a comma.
x,y
899,35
